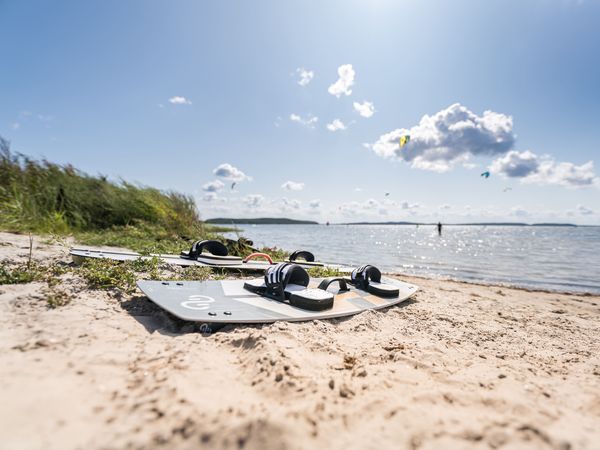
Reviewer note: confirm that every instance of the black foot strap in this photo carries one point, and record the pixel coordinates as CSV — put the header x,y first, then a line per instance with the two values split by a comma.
x,y
214,247
302,254
361,276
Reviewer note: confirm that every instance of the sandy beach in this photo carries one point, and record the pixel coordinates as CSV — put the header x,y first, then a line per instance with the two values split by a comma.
x,y
458,366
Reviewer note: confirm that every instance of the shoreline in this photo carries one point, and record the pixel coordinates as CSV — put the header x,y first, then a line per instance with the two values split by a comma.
x,y
494,284
460,365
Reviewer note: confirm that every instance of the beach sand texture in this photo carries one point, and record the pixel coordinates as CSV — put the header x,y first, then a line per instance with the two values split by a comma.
x,y
460,366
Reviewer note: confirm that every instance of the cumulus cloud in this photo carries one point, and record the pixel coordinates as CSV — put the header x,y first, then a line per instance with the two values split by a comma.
x,y
292,186
369,207
177,100
305,76
209,197
213,186
584,211
230,172
287,204
314,204
345,81
310,121
518,211
544,170
449,136
336,125
254,200
365,109
516,164
409,206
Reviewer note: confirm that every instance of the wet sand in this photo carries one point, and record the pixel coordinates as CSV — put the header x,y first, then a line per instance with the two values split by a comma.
x,y
458,366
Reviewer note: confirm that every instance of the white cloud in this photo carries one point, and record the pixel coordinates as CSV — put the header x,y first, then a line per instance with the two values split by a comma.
x,y
345,81
518,211
254,200
448,137
306,76
314,204
369,207
310,121
292,186
15,125
230,172
287,204
177,100
365,109
584,211
409,206
564,174
213,186
210,197
516,164
337,124
544,170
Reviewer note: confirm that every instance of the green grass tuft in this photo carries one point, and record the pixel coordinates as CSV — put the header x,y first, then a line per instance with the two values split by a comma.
x,y
324,272
196,273
276,253
56,298
107,274
20,274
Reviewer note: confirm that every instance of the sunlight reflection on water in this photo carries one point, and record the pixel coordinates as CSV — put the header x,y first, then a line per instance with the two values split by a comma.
x,y
561,258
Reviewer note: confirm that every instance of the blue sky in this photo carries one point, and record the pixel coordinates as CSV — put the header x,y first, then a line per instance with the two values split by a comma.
x,y
182,94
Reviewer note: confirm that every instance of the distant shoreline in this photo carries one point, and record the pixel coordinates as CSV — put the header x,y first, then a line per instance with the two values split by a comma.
x,y
260,221
286,221
471,224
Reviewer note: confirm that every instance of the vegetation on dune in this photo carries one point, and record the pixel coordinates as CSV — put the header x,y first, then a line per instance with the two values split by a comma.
x,y
41,196
20,274
107,274
323,272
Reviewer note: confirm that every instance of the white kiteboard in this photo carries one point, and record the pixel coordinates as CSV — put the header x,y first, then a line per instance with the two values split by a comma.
x,y
227,301
80,253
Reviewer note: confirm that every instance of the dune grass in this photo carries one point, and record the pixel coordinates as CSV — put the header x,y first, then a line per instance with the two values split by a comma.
x,y
43,197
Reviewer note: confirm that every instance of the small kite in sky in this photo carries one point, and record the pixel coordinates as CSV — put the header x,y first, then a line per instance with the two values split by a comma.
x,y
233,185
485,174
387,193
404,140
506,189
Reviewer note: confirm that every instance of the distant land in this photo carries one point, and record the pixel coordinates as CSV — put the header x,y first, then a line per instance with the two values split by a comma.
x,y
262,221
491,224
286,221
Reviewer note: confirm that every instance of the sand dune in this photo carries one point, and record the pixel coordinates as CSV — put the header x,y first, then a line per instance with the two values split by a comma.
x,y
460,366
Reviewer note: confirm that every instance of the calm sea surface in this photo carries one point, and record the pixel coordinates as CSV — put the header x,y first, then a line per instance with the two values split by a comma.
x,y
559,258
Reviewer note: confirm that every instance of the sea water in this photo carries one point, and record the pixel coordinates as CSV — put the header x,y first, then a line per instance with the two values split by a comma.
x,y
555,258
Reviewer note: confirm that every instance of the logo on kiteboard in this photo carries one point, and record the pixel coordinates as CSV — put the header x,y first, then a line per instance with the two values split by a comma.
x,y
198,302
